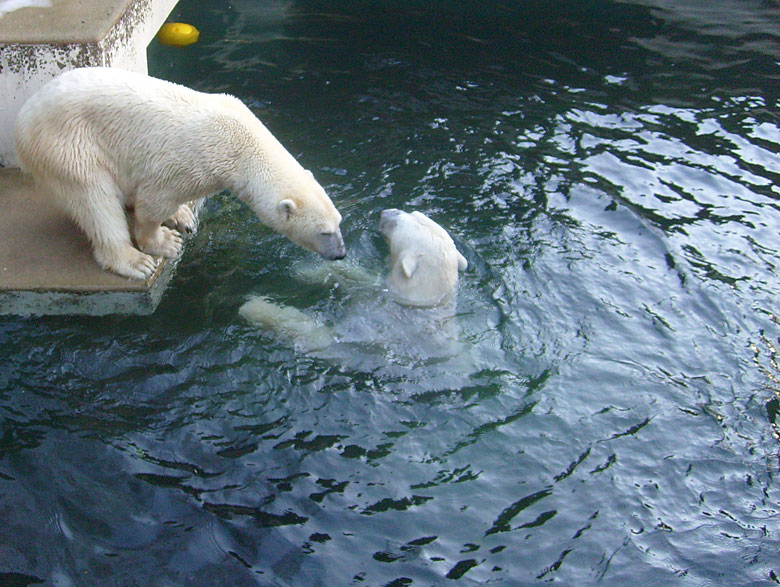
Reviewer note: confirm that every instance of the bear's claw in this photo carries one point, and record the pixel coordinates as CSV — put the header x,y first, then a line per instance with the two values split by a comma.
x,y
183,220
164,242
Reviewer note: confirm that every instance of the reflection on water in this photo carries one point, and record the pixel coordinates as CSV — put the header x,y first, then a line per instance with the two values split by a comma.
x,y
609,169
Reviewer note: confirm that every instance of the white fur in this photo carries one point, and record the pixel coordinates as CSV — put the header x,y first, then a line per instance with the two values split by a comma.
x,y
99,140
424,266
288,322
424,262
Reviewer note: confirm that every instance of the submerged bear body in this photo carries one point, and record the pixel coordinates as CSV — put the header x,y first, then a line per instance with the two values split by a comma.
x,y
417,312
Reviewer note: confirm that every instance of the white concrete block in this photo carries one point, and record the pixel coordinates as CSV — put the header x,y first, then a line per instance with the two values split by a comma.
x,y
38,42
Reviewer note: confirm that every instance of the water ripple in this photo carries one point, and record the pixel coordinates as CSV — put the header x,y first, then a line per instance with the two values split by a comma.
x,y
609,409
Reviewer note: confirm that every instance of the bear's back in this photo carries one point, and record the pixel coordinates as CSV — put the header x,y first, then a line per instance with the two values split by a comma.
x,y
108,96
122,121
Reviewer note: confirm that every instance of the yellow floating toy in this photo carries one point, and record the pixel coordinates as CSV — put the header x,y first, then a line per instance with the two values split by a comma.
x,y
178,34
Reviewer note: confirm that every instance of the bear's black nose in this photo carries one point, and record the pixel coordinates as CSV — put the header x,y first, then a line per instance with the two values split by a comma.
x,y
340,252
333,248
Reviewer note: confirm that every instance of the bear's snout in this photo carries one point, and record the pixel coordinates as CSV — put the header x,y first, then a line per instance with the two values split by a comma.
x,y
332,247
387,220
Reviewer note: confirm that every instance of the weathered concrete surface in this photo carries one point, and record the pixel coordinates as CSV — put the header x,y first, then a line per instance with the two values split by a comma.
x,y
72,21
38,43
46,263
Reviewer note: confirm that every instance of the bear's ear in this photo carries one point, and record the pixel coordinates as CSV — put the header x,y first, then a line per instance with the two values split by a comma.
x,y
409,265
287,208
462,263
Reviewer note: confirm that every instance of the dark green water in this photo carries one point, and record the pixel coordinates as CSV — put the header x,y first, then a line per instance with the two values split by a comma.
x,y
608,413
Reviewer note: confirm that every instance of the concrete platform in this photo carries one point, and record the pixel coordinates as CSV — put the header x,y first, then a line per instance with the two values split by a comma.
x,y
46,263
39,42
61,22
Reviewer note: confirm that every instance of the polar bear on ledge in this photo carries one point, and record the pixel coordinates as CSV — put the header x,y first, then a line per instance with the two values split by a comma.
x,y
102,140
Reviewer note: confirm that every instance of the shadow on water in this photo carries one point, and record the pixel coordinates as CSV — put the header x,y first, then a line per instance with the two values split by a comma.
x,y
609,169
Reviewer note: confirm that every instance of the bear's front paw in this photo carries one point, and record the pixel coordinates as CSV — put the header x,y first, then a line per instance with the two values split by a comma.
x,y
184,220
144,265
130,262
164,242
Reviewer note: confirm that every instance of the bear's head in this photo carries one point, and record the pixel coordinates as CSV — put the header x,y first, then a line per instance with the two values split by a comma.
x,y
424,262
310,219
290,201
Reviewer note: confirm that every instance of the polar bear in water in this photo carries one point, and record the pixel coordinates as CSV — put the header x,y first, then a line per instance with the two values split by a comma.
x,y
424,265
424,262
101,140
